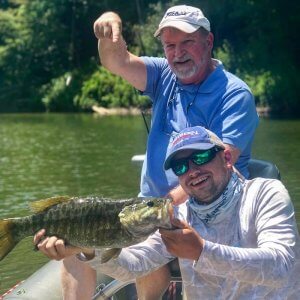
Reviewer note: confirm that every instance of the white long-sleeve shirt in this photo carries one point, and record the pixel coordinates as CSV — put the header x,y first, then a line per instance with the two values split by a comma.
x,y
252,252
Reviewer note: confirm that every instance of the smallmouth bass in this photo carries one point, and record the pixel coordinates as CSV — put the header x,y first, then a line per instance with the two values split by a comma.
x,y
90,222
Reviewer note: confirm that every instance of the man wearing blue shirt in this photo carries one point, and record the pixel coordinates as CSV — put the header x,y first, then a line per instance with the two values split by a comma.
x,y
221,102
187,88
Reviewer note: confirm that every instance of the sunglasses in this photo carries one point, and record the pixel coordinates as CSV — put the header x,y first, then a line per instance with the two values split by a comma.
x,y
200,157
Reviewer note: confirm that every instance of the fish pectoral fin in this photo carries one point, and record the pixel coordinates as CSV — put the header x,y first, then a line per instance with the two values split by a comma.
x,y
42,205
109,254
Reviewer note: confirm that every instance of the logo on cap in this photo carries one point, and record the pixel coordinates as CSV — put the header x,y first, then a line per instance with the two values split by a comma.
x,y
175,13
183,136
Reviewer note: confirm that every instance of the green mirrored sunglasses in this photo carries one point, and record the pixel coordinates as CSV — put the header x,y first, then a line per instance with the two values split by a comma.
x,y
200,157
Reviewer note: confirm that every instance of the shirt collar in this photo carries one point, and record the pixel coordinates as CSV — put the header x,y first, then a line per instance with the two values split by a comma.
x,y
210,84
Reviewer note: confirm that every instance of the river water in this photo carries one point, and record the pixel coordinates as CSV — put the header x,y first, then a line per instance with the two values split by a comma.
x,y
45,155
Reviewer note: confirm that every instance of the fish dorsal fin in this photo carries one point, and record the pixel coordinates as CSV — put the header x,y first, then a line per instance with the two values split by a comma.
x,y
109,254
42,205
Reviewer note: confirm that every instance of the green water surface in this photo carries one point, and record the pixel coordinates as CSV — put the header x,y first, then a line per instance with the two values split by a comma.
x,y
44,155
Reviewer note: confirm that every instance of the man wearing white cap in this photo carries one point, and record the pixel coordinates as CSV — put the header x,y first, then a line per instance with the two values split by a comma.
x,y
185,18
187,88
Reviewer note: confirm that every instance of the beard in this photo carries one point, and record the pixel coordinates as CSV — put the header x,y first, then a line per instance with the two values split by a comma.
x,y
185,67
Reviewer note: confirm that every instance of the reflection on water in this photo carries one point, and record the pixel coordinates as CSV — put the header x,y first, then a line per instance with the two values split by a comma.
x,y
279,141
78,154
47,155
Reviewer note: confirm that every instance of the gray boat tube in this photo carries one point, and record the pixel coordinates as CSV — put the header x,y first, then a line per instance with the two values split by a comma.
x,y
43,284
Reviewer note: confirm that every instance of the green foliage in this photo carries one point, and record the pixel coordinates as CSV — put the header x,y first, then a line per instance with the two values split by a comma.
x,y
224,53
7,27
261,82
258,40
261,85
42,41
107,90
144,41
59,93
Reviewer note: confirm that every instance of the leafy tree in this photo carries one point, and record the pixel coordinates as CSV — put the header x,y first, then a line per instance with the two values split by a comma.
x,y
42,40
107,90
262,37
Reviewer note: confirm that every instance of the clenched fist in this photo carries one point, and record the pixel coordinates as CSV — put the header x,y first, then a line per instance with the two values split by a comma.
x,y
109,26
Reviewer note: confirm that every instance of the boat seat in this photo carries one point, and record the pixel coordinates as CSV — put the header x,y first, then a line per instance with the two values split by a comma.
x,y
263,168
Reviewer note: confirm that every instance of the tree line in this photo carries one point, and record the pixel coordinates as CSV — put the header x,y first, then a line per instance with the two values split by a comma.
x,y
49,59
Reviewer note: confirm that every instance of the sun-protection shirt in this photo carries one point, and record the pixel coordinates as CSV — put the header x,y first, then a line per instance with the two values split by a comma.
x,y
251,251
222,103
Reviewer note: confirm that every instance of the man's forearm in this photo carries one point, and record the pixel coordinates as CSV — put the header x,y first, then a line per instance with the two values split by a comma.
x,y
134,261
113,55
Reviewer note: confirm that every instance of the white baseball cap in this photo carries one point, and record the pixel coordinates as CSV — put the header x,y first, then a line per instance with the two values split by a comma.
x,y
185,18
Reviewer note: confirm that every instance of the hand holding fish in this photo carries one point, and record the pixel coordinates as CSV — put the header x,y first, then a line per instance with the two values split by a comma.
x,y
55,248
183,242
108,25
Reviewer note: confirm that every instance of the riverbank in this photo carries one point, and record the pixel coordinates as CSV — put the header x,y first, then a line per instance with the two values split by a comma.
x,y
264,111
121,111
116,111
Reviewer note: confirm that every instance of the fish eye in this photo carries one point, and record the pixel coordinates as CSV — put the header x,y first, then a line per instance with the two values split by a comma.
x,y
150,203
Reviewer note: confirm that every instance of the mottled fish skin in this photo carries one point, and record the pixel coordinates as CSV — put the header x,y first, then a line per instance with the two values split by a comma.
x,y
91,222
143,218
84,222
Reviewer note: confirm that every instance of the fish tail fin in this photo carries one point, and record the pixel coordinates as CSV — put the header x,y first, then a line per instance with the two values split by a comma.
x,y
7,242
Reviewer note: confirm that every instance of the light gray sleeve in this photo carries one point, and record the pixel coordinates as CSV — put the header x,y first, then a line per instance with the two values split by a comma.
x,y
134,261
270,262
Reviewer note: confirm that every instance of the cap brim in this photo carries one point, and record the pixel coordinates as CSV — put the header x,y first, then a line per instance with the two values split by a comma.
x,y
198,146
180,25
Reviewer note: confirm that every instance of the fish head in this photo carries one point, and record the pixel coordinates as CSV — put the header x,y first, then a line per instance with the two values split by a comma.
x,y
144,218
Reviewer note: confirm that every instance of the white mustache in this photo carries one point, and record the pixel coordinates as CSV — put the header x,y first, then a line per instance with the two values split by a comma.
x,y
181,59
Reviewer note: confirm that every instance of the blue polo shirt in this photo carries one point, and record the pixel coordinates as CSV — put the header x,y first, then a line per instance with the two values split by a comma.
x,y
222,103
